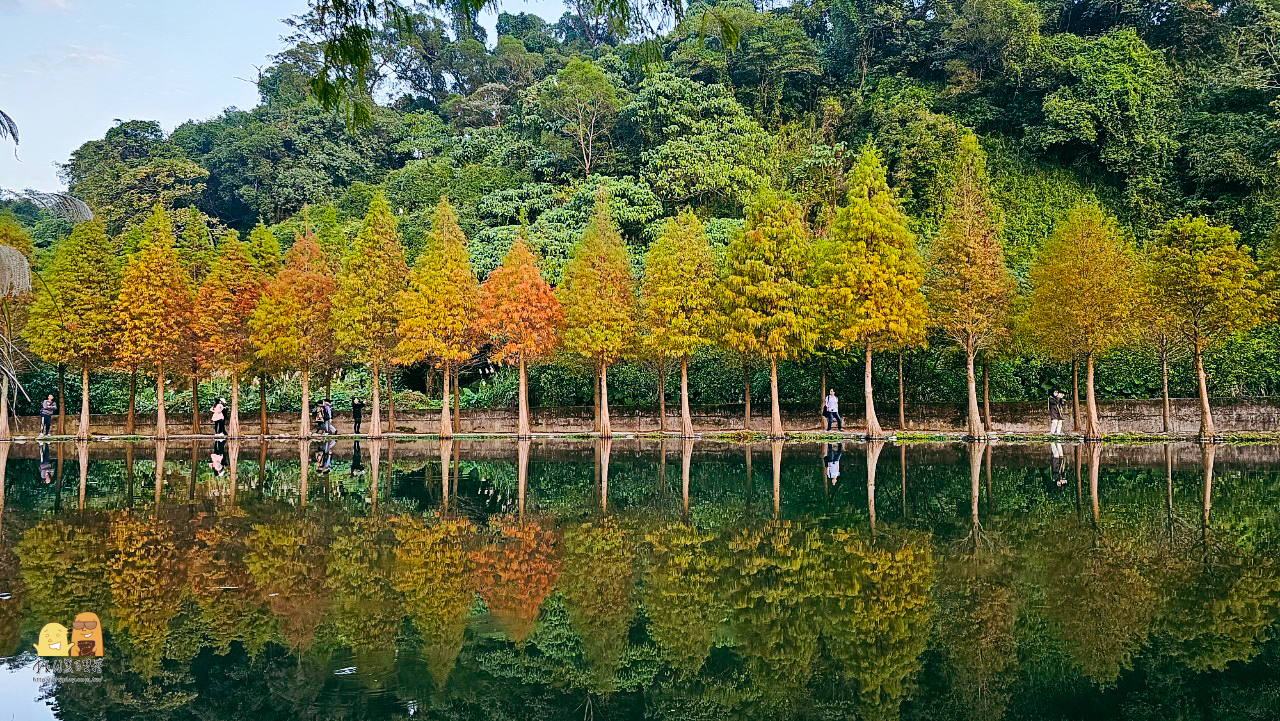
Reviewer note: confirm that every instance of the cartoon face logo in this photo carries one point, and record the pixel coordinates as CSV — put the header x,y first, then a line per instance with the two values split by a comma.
x,y
52,640
86,635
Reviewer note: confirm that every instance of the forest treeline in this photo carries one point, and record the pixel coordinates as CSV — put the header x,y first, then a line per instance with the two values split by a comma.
x,y
1039,186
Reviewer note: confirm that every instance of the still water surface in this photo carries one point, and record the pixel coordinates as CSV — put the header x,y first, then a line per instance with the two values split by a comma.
x,y
639,579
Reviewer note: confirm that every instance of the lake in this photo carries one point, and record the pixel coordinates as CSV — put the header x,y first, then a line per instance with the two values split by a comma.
x,y
642,579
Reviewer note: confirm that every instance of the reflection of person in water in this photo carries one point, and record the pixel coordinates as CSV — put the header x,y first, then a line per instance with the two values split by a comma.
x,y
832,460
326,457
357,463
46,464
217,457
1057,468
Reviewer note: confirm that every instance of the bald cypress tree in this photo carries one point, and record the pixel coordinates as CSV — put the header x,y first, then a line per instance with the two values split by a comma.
x,y
73,317
373,274
598,294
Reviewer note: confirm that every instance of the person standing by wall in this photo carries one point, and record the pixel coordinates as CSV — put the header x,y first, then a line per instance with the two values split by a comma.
x,y
832,408
47,410
218,414
1056,401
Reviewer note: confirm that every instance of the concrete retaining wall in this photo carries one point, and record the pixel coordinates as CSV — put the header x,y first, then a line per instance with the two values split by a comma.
x,y
1130,416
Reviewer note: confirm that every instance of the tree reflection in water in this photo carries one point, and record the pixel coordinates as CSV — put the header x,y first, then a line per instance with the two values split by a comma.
x,y
562,580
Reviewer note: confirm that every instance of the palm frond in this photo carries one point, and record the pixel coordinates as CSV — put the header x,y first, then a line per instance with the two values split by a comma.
x,y
8,128
15,273
63,205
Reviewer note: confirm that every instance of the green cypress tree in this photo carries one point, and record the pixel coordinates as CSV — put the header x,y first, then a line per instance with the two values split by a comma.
x,y
767,294
264,248
73,317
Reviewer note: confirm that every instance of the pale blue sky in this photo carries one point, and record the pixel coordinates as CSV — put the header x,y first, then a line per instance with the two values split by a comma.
x,y
68,68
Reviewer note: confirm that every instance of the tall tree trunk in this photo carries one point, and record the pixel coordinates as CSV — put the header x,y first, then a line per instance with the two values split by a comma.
x,y
822,391
873,423
686,418
1093,429
82,433
775,420
1164,388
82,455
195,400
133,400
5,431
1075,394
746,380
391,401
377,401
62,399
974,421
328,384
902,397
262,405
986,397
522,428
606,430
1207,430
457,400
446,425
160,449
162,423
662,395
306,405
233,423
595,376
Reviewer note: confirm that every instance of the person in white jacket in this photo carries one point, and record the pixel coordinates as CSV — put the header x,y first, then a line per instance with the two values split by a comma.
x,y
831,406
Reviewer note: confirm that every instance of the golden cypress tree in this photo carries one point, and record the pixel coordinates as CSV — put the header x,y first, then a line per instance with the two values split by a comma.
x,y
225,304
153,310
871,274
438,310
598,294
292,325
1087,292
364,309
677,297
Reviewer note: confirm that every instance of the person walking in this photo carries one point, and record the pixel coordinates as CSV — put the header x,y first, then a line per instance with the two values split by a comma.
x,y
832,408
1056,401
218,414
357,413
317,417
47,410
327,407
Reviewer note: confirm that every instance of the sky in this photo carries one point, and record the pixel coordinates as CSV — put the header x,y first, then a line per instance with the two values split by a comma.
x,y
70,68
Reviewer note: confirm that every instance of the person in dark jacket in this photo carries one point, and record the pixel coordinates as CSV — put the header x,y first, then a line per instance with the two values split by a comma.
x,y
357,413
47,409
327,407
1056,401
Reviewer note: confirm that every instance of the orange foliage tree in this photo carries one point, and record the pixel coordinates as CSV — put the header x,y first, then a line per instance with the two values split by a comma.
x,y
225,302
153,310
519,311
292,325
